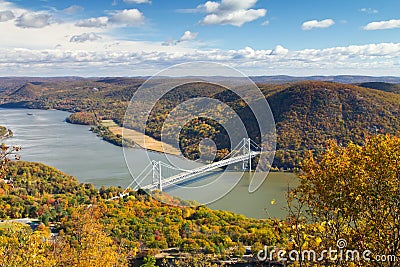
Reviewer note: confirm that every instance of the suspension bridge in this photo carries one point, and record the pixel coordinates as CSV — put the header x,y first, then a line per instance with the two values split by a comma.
x,y
243,152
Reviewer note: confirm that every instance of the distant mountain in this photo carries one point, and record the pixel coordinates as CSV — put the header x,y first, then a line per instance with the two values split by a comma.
x,y
29,91
307,113
348,79
10,83
279,79
14,82
387,87
120,80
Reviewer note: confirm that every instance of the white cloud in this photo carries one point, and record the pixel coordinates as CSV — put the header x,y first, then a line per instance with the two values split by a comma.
x,y
236,18
4,5
308,25
126,17
383,25
84,37
237,4
7,7
92,22
265,23
169,42
73,9
144,58
137,1
33,20
66,48
66,35
369,10
188,36
129,17
279,50
230,12
6,15
210,6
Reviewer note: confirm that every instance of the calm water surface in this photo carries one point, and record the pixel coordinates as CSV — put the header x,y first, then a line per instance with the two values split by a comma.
x,y
46,137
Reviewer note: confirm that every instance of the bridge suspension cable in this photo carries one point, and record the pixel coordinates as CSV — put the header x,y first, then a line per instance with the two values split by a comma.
x,y
242,152
245,147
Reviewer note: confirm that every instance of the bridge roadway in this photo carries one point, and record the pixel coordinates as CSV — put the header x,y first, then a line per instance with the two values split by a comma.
x,y
187,175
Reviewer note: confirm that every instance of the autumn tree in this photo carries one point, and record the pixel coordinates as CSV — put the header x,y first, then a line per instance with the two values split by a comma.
x,y
352,193
149,261
20,246
7,153
85,243
198,260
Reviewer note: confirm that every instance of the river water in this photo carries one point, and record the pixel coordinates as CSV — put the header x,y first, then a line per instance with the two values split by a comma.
x,y
45,137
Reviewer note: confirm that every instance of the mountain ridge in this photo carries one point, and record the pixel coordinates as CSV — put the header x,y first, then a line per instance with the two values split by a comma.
x,y
307,113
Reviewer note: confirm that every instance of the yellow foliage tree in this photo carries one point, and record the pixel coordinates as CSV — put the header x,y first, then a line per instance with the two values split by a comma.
x,y
19,246
86,243
353,193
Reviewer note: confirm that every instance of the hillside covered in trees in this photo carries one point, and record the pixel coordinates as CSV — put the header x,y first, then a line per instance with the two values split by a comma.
x,y
387,87
78,226
307,113
82,220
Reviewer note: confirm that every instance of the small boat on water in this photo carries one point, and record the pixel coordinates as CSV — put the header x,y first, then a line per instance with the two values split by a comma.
x,y
29,114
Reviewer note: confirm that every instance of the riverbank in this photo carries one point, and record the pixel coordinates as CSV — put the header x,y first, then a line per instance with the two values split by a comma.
x,y
46,137
116,135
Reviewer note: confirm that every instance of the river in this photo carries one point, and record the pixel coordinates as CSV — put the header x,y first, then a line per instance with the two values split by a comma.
x,y
45,137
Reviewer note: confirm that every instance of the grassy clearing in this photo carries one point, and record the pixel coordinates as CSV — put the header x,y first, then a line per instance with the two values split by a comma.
x,y
140,139
108,123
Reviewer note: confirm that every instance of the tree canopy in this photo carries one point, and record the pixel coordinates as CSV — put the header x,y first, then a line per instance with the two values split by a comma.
x,y
352,193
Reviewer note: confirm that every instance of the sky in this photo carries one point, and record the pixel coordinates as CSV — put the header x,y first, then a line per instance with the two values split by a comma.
x,y
142,37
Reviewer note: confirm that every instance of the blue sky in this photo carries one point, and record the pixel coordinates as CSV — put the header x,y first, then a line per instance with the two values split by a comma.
x,y
141,37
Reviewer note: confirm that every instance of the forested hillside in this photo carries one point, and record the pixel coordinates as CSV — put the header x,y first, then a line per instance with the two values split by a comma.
x,y
74,224
307,113
123,229
387,87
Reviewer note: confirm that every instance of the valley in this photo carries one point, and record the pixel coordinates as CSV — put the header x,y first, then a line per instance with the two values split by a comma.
x,y
307,113
326,129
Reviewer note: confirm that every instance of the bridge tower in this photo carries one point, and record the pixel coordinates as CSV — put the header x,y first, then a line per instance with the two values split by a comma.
x,y
157,172
246,149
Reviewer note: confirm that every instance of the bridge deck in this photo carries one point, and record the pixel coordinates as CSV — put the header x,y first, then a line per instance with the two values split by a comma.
x,y
187,175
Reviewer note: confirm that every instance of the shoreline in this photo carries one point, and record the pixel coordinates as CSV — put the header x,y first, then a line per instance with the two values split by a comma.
x,y
136,139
